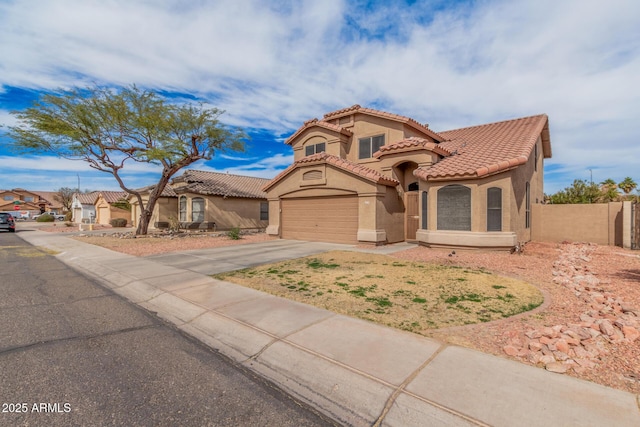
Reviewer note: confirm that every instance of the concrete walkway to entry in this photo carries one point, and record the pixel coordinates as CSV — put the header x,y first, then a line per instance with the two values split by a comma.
x,y
358,373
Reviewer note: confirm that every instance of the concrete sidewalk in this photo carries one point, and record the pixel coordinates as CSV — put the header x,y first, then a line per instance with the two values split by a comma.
x,y
357,372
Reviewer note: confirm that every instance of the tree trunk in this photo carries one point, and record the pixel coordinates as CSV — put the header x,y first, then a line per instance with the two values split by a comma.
x,y
143,224
147,211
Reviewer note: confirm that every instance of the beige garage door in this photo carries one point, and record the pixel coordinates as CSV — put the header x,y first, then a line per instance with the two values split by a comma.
x,y
321,219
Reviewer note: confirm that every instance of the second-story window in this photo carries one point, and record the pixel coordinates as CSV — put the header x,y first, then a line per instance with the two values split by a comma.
x,y
8,198
369,145
314,149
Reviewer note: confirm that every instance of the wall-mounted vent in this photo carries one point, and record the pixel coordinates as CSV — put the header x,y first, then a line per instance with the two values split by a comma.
x,y
311,175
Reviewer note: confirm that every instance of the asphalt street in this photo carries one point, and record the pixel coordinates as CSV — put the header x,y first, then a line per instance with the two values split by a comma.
x,y
75,353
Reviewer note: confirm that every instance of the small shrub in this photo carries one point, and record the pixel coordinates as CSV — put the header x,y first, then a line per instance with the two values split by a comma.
x,y
118,222
234,233
68,224
174,224
45,218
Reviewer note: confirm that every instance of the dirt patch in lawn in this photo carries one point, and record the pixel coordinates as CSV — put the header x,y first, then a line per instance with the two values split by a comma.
x,y
413,296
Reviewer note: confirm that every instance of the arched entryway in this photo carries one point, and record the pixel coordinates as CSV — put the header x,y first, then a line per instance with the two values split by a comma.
x,y
409,184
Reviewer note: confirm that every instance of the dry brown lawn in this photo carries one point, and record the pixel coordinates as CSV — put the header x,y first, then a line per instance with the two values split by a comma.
x,y
408,295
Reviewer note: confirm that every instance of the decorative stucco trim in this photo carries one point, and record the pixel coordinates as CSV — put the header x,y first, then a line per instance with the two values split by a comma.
x,y
375,236
468,239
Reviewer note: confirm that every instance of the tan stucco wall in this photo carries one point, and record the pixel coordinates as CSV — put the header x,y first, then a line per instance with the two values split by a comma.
x,y
165,208
599,223
105,212
228,212
390,215
521,175
478,200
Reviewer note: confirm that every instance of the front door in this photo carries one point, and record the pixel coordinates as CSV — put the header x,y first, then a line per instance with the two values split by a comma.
x,y
411,215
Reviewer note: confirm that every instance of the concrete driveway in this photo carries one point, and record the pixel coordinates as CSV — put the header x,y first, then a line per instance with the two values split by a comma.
x,y
228,258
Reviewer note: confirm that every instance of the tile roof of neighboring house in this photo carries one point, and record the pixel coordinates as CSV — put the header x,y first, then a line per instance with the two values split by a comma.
x,y
167,192
424,128
361,171
315,122
113,196
49,196
87,198
221,184
486,149
410,144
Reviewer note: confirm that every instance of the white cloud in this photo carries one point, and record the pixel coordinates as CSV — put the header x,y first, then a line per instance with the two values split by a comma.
x,y
274,65
265,168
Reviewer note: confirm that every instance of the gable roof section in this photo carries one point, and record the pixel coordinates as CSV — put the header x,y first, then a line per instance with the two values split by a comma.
x,y
358,170
113,196
483,150
424,128
318,123
221,184
167,192
411,144
87,198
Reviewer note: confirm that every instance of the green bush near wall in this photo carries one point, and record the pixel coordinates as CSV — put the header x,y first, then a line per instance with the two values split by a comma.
x,y
118,222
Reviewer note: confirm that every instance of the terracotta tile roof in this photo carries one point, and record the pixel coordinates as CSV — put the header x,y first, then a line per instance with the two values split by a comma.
x,y
411,144
113,196
315,122
87,198
424,128
486,149
167,192
221,184
361,171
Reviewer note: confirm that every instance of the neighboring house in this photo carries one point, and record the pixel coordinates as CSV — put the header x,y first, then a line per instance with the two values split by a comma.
x,y
220,201
166,207
51,197
366,176
105,209
30,202
83,207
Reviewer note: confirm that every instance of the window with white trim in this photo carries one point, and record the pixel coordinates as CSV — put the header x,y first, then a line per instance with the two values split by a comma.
x,y
494,209
369,145
314,149
197,209
183,209
527,213
425,201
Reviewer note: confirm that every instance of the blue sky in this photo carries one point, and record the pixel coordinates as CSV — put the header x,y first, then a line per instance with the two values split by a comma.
x,y
274,64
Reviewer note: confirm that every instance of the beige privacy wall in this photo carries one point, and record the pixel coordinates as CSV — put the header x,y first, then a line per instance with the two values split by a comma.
x,y
599,223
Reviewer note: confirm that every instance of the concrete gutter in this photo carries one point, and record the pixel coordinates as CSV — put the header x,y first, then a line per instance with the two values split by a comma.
x,y
356,372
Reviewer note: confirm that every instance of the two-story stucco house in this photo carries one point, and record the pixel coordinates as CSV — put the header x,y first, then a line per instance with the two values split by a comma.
x,y
366,176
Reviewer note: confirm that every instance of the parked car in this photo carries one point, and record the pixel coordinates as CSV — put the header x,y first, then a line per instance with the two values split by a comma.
x,y
55,216
7,222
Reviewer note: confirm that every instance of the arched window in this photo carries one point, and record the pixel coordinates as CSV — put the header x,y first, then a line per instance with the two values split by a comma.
x,y
494,209
454,208
413,186
197,209
183,209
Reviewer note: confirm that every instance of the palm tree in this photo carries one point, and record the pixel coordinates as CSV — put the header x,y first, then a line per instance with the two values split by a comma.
x,y
609,190
627,185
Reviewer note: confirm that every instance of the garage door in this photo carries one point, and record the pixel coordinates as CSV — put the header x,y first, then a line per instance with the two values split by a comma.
x,y
321,219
